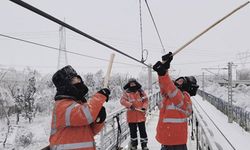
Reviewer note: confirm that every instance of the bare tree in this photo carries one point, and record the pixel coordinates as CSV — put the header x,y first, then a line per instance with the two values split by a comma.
x,y
29,97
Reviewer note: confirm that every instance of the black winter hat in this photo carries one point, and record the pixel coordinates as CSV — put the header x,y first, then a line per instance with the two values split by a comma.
x,y
138,85
189,85
63,76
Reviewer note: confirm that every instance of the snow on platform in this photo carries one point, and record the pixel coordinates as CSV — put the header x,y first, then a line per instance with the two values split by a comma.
x,y
151,131
237,136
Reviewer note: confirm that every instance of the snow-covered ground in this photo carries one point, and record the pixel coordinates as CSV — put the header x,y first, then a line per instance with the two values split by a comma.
x,y
37,133
39,129
152,121
232,133
237,136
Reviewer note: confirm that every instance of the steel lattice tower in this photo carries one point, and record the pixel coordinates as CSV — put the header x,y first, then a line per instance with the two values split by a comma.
x,y
62,56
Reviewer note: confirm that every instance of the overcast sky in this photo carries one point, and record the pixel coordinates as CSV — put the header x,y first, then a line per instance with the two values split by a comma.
x,y
116,22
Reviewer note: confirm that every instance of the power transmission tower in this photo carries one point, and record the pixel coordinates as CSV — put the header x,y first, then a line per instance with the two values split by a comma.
x,y
62,56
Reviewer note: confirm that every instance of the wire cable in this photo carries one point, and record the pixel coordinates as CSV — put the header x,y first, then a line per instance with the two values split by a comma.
x,y
155,26
48,16
215,74
54,48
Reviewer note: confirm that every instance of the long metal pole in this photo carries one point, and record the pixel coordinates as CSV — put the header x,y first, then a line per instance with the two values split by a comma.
x,y
210,27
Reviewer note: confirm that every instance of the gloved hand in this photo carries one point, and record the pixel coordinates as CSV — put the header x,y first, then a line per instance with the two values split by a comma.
x,y
167,59
101,116
159,68
132,107
105,92
143,109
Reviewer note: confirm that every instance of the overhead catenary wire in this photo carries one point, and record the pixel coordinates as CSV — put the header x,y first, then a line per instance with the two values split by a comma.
x,y
54,48
199,62
48,16
151,15
215,74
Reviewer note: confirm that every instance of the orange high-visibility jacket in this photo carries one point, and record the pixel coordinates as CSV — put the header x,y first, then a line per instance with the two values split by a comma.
x,y
175,108
139,101
73,125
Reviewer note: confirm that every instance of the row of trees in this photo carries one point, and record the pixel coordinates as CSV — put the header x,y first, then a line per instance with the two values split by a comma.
x,y
17,93
26,93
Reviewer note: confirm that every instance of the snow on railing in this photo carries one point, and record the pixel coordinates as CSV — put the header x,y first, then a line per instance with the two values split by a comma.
x,y
241,116
203,135
116,128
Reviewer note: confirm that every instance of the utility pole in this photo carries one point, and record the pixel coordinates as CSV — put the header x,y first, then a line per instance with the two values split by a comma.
x,y
62,56
230,93
150,79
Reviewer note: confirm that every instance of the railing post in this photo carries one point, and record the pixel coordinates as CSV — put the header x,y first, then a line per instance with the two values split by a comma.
x,y
203,86
102,138
197,133
113,126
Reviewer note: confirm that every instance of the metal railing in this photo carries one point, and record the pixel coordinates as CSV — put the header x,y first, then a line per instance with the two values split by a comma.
x,y
202,134
116,128
112,136
241,116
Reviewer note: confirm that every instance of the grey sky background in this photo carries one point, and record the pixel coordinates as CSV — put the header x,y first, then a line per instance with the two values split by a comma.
x,y
116,22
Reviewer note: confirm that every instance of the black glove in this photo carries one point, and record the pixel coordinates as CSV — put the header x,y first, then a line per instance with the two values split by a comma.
x,y
105,92
132,107
101,116
159,68
167,59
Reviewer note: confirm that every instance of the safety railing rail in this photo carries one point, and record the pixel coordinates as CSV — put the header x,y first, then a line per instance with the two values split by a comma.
x,y
116,128
201,133
241,116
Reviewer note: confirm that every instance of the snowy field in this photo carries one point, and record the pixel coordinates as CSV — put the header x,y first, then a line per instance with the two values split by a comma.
x,y
26,136
37,132
20,135
241,94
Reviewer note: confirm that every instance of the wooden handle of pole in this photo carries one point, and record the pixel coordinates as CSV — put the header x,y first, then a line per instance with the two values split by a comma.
x,y
139,110
146,112
106,79
207,29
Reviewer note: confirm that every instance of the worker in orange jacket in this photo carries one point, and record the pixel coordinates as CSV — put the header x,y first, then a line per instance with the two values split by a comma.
x,y
136,102
75,121
175,107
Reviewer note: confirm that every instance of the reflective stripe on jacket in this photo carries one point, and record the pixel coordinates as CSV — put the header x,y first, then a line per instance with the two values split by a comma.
x,y
175,108
139,101
73,125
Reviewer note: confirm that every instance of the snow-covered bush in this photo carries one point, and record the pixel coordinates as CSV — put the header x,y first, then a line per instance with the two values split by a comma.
x,y
24,138
6,101
44,101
